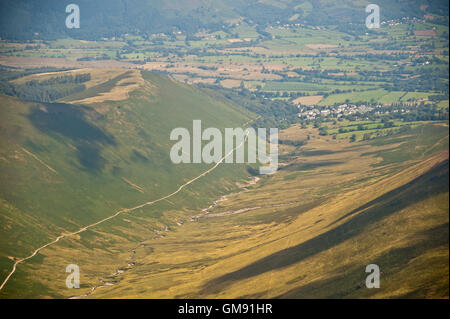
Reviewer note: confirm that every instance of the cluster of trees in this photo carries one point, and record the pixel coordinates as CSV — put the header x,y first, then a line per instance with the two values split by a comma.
x,y
62,79
98,58
40,93
275,94
292,143
428,79
9,74
47,90
369,136
280,114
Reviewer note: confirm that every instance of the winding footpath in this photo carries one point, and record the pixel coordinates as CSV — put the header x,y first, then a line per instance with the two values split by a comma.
x,y
110,280
126,210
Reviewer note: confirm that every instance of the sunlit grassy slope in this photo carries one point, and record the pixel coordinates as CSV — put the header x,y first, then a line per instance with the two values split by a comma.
x,y
310,230
65,165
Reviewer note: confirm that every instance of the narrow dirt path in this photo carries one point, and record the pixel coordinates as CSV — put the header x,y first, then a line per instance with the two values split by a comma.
x,y
39,160
126,210
206,213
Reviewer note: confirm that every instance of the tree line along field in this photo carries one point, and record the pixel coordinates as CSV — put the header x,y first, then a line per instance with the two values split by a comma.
x,y
366,130
385,65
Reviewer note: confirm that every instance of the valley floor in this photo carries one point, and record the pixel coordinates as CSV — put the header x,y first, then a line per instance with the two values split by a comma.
x,y
309,231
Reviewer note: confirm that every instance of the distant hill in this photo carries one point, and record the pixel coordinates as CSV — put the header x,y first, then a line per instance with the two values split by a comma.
x,y
75,161
21,19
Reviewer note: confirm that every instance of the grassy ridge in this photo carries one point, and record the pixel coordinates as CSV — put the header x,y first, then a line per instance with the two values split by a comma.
x,y
65,165
312,231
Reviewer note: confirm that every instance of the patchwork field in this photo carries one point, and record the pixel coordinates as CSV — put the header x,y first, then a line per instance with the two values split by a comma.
x,y
388,65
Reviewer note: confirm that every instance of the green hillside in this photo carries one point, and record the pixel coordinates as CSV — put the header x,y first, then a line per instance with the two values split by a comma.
x,y
310,230
22,19
65,166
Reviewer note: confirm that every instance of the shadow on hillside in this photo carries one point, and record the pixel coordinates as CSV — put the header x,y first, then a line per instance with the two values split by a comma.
x,y
350,281
433,182
69,121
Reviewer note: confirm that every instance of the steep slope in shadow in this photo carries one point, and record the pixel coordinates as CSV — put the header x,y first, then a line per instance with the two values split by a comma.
x,y
59,119
350,282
